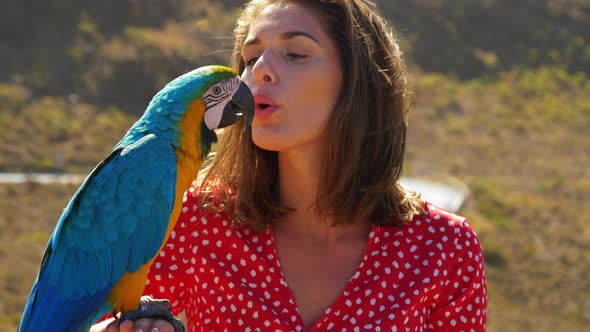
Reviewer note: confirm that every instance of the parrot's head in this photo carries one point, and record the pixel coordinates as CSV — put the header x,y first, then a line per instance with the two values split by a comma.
x,y
226,98
196,103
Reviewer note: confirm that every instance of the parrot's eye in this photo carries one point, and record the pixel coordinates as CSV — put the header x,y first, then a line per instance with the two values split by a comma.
x,y
216,90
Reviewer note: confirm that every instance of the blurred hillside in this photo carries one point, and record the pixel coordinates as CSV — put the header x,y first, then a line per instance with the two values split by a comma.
x,y
468,39
119,52
502,102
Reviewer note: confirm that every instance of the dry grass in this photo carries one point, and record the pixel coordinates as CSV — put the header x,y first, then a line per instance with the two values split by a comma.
x,y
517,137
29,213
518,144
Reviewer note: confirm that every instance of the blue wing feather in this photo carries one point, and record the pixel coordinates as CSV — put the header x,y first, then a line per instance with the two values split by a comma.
x,y
114,224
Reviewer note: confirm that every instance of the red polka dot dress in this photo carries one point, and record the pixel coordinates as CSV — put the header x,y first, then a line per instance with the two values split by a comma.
x,y
426,276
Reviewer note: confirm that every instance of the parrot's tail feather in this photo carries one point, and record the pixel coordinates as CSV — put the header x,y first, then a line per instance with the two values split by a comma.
x,y
24,323
48,311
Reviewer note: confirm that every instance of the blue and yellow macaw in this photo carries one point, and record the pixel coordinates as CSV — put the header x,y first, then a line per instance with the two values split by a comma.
x,y
98,257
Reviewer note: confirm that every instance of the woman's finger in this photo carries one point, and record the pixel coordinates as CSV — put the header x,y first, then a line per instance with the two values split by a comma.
x,y
109,325
143,324
126,326
162,326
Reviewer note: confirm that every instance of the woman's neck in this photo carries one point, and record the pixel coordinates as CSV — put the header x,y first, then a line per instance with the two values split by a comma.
x,y
299,178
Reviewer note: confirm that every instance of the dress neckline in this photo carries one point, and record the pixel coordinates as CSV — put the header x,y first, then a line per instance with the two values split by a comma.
x,y
348,288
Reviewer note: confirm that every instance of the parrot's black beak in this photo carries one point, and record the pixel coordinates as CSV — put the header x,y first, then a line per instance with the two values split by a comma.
x,y
241,105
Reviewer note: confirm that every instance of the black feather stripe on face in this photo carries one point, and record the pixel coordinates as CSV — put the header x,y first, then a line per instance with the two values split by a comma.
x,y
208,137
226,88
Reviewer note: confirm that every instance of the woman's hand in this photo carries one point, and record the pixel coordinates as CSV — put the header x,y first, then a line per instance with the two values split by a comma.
x,y
144,324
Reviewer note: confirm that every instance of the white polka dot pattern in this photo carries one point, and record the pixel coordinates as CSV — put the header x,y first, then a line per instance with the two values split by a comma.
x,y
426,276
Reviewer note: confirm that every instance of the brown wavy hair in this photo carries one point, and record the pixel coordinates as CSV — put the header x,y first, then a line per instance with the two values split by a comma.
x,y
366,133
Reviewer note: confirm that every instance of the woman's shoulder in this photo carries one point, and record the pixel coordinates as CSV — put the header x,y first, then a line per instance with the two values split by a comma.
x,y
435,216
206,205
433,232
217,195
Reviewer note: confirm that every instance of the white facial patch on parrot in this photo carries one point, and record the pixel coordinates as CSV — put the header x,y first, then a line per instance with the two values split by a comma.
x,y
216,98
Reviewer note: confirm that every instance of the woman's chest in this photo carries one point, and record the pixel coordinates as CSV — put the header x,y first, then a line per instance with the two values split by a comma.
x,y
244,284
317,277
266,304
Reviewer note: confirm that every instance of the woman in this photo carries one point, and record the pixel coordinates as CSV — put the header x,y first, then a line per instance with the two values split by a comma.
x,y
301,224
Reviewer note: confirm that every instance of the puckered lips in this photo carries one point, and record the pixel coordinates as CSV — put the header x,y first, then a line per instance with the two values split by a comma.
x,y
265,106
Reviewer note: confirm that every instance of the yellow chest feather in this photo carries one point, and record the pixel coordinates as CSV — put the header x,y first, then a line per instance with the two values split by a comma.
x,y
126,294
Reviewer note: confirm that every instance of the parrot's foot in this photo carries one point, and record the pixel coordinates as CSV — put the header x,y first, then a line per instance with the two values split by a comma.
x,y
154,309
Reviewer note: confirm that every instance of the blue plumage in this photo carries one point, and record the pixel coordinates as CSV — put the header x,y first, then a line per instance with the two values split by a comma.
x,y
117,221
60,292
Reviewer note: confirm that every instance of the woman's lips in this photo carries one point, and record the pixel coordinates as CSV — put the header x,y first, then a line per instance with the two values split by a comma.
x,y
265,106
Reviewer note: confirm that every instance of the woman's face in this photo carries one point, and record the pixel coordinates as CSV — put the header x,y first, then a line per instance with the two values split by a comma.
x,y
293,69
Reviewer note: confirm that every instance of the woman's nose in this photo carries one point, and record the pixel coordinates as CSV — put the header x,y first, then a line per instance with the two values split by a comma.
x,y
263,70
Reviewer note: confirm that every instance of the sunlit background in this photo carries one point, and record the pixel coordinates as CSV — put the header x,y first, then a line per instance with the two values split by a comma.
x,y
502,111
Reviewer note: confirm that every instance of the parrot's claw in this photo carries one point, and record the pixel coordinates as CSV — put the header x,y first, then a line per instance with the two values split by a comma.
x,y
154,309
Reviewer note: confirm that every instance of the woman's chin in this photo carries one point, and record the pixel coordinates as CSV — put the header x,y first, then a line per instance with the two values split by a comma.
x,y
266,142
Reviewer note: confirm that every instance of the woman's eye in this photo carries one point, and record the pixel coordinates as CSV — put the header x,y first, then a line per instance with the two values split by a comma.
x,y
250,61
296,56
